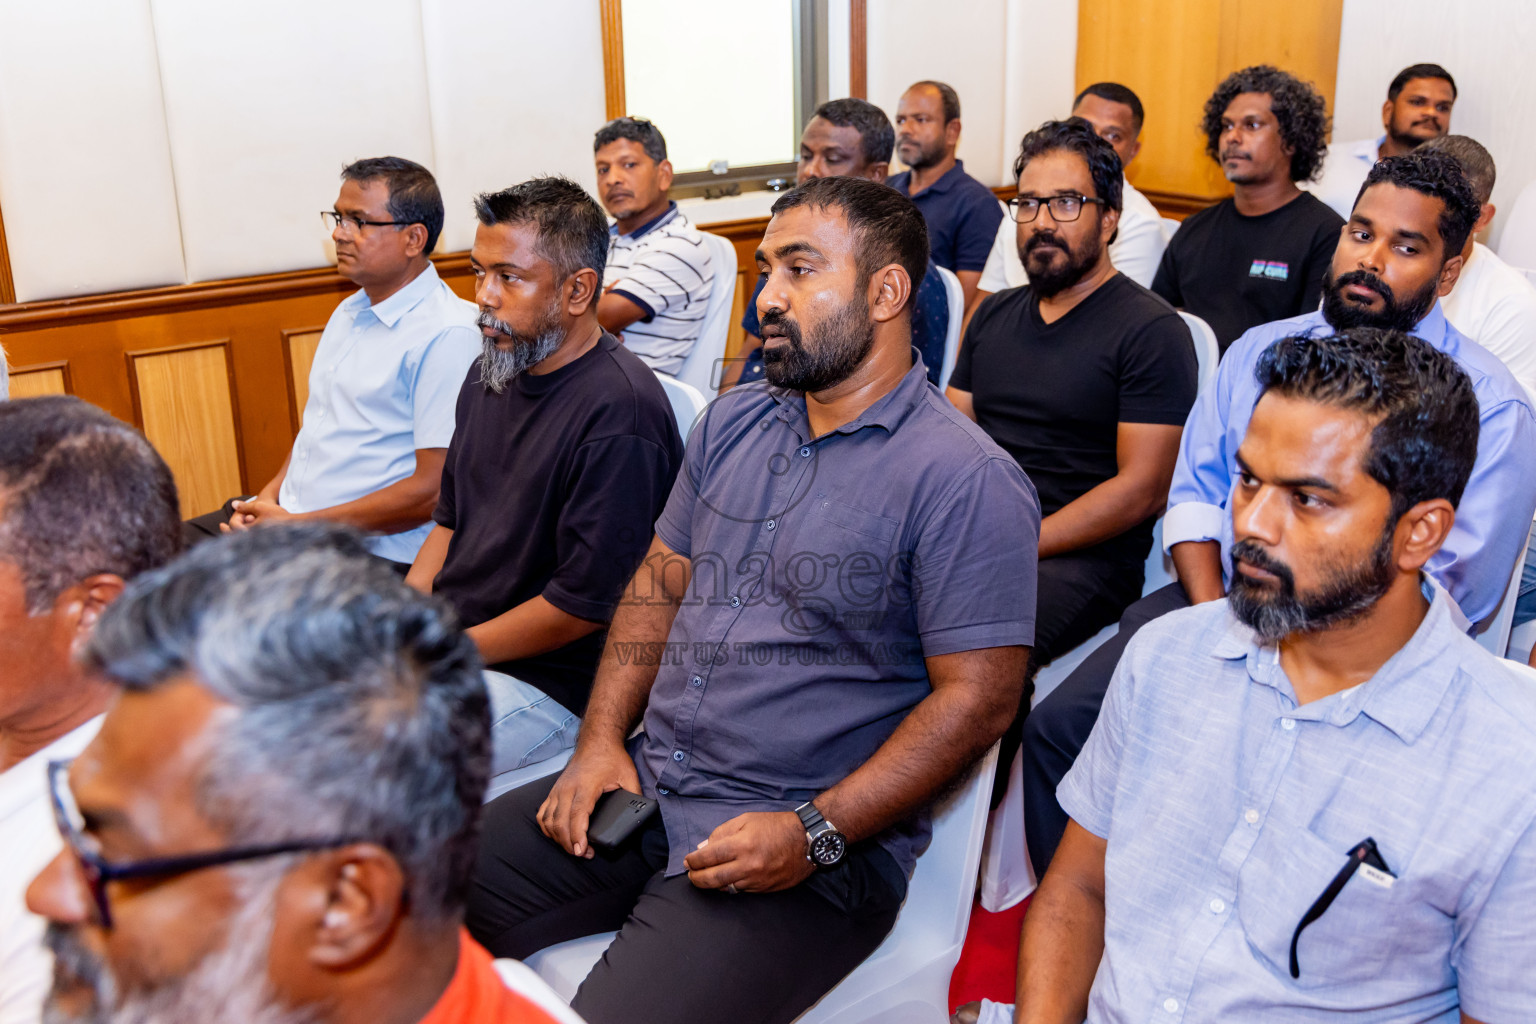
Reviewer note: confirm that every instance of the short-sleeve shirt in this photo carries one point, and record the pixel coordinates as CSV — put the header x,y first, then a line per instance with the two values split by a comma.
x,y
383,384
1236,272
962,216
1228,809
1053,395
1495,305
663,267
550,488
825,569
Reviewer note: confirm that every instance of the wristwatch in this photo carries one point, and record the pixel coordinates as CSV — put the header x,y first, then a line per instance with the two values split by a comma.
x,y
825,845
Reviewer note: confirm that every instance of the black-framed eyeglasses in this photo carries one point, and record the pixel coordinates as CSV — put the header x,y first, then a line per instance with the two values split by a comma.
x,y
1064,209
334,220
98,871
1364,852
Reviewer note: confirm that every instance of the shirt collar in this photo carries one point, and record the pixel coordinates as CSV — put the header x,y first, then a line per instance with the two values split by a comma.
x,y
1433,328
650,225
888,412
948,180
402,302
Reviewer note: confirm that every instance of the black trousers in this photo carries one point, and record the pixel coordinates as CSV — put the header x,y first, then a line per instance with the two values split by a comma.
x,y
1057,728
1078,595
683,954
206,527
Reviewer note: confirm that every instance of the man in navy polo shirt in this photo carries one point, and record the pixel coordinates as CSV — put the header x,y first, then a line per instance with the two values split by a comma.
x,y
961,212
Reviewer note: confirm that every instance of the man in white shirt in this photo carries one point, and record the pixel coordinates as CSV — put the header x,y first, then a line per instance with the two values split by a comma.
x,y
385,378
1493,303
85,503
1116,114
657,282
1418,108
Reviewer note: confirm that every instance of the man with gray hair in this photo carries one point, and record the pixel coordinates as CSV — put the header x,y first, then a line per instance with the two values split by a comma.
x,y
564,449
292,778
1493,303
85,504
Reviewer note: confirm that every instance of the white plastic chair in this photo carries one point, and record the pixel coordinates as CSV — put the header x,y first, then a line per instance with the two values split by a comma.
x,y
1494,637
1207,350
520,978
905,980
687,402
1517,245
701,368
956,296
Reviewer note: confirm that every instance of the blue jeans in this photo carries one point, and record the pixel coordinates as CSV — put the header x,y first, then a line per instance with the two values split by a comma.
x,y
1525,605
527,725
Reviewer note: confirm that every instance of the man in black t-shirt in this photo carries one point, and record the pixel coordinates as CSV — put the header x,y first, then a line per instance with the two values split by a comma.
x,y
563,453
1085,378
1261,255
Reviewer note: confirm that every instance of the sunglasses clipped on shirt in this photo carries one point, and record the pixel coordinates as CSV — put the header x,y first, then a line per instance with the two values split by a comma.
x,y
1364,854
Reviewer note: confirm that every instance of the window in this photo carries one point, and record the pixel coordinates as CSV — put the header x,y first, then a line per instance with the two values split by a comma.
x,y
730,83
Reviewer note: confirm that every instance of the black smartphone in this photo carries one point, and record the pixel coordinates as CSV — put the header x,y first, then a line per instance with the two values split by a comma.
x,y
617,816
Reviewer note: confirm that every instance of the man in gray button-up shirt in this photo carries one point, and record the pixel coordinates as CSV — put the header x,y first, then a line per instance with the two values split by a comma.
x,y
834,616
1310,801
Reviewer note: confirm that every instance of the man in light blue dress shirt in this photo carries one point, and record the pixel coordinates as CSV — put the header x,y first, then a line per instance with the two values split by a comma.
x,y
1400,250
386,373
1307,802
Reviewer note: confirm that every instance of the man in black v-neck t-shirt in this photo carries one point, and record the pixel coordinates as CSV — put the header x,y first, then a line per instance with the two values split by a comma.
x,y
1261,255
1085,378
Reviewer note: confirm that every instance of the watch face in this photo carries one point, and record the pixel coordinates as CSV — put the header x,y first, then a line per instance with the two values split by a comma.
x,y
828,849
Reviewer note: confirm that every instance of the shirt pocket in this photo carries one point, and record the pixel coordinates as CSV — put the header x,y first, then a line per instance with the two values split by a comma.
x,y
870,525
1287,871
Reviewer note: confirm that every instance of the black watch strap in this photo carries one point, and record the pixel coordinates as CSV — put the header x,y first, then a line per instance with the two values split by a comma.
x,y
810,817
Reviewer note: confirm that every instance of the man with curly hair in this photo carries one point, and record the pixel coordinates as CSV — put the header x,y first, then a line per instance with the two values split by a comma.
x,y
1260,255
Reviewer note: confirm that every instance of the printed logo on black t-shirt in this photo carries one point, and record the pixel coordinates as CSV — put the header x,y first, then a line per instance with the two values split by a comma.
x,y
1273,269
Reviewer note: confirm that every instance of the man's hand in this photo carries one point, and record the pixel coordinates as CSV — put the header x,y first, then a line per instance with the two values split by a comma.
x,y
567,810
250,513
763,851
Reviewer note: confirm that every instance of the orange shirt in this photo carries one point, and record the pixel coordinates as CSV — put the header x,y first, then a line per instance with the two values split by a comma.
x,y
476,994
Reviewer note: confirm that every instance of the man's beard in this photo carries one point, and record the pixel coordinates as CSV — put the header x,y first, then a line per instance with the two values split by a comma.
x,y
1402,315
499,365
1404,136
926,156
1048,280
229,984
844,339
1275,611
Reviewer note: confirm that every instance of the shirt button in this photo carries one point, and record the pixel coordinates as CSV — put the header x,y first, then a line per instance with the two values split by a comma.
x,y
1287,723
677,755
696,681
1251,816
735,602
770,524
805,453
1217,906
1171,1005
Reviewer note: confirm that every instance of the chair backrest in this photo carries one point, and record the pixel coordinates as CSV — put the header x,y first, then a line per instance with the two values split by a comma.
x,y
687,402
701,368
522,979
1517,245
956,296
1207,351
1494,637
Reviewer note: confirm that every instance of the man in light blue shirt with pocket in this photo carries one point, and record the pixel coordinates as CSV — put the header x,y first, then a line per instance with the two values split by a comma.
x,y
385,378
1308,801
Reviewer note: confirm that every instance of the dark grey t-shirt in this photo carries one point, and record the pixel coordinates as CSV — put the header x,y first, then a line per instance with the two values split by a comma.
x,y
824,571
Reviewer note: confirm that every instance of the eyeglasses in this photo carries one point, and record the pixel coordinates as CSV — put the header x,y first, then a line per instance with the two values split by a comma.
x,y
334,220
1064,209
1364,854
98,871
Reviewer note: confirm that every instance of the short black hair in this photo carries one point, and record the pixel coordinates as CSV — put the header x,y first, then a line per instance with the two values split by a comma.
x,y
1076,135
1300,109
1476,162
1413,71
1425,441
947,96
1114,92
413,194
81,493
1436,174
877,138
573,231
635,129
887,227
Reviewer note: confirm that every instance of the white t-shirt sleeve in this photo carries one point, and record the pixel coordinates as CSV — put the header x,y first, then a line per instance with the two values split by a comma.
x,y
994,276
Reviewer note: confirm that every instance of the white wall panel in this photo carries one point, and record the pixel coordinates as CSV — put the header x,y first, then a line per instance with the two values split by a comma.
x,y
85,174
516,90
910,40
1039,80
266,102
1487,46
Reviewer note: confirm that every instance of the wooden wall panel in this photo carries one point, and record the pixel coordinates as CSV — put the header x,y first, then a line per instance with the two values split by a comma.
x,y
1174,55
44,379
184,398
299,357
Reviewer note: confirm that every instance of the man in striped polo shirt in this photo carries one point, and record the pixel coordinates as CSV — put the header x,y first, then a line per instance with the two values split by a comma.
x,y
656,287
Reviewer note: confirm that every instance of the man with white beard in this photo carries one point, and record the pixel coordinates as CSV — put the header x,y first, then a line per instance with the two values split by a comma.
x,y
563,453
277,820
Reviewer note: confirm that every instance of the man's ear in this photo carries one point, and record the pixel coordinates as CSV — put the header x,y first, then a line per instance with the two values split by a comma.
x,y
1135,151
351,902
1108,223
952,132
416,240
584,286
81,604
1386,115
1421,531
878,171
1449,274
890,289
1484,218
664,175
